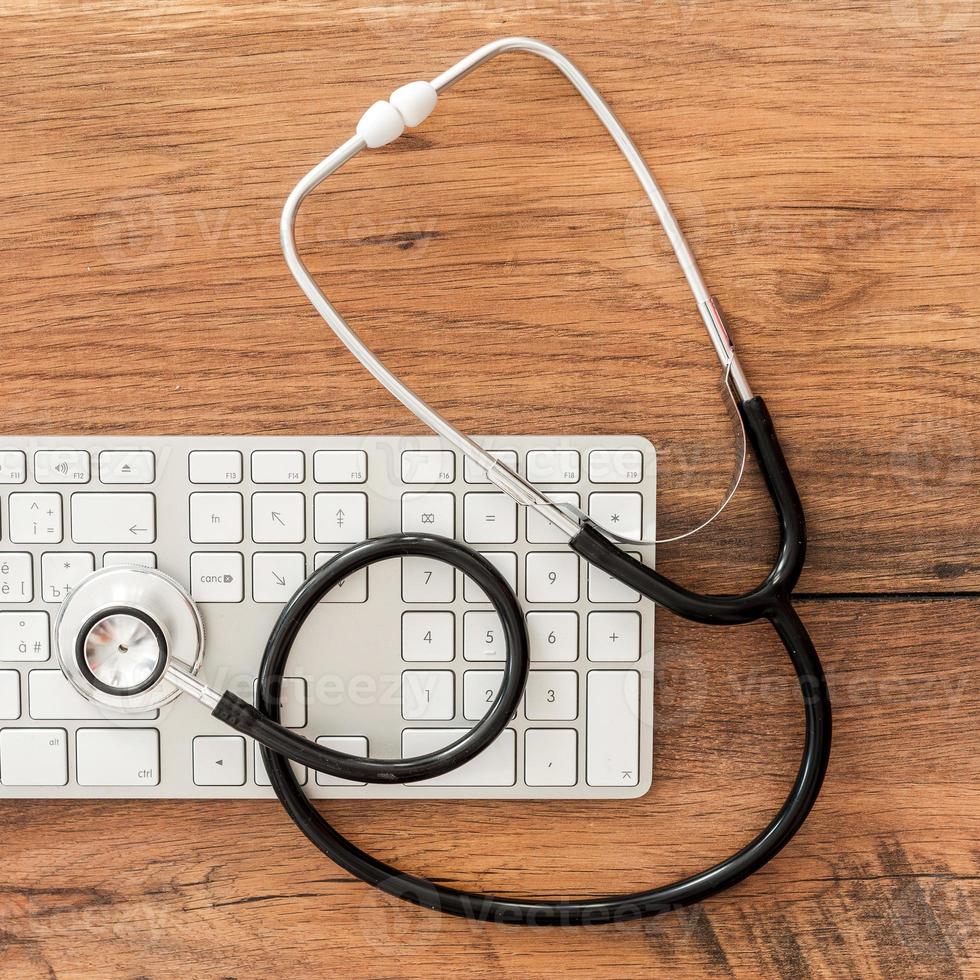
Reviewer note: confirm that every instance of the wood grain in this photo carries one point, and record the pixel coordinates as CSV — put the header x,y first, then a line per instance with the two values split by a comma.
x,y
822,159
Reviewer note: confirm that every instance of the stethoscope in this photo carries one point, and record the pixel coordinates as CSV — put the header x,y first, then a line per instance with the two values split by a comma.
x,y
132,639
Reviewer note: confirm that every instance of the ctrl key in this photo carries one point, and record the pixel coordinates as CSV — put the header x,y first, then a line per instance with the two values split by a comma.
x,y
118,756
33,757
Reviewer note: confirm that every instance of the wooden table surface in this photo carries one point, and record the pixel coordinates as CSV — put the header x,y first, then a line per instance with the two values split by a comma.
x,y
822,158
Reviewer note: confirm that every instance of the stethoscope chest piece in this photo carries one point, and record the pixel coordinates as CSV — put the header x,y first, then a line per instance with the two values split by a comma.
x,y
120,629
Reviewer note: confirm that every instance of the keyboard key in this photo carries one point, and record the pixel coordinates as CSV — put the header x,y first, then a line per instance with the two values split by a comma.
x,y
551,695
33,757
145,559
216,518
276,575
489,518
10,694
480,689
494,766
433,513
473,473
117,756
292,700
505,562
551,757
427,580
61,571
35,518
13,466
352,745
428,636
340,466
24,636
217,576
127,466
354,588
619,512
553,636
278,466
62,466
113,518
219,760
52,698
540,530
613,728
278,518
215,466
16,577
340,517
483,636
604,588
615,466
552,576
428,466
262,777
553,466
614,636
428,695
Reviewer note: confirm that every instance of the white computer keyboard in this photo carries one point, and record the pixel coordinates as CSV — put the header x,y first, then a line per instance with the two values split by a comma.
x,y
396,661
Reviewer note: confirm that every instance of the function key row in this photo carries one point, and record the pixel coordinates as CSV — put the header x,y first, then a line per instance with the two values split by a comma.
x,y
115,466
418,466
278,466
270,466
543,466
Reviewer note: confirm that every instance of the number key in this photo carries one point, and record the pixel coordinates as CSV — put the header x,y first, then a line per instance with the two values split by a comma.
x,y
428,636
552,576
483,636
480,689
428,695
553,635
427,580
551,695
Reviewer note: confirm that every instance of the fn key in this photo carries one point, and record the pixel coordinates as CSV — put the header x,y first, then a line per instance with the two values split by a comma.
x,y
118,756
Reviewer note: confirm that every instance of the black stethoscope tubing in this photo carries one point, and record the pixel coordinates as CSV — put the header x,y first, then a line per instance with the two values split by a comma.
x,y
771,601
263,725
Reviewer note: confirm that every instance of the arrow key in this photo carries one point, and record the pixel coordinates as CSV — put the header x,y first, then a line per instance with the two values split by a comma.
x,y
278,517
276,575
219,760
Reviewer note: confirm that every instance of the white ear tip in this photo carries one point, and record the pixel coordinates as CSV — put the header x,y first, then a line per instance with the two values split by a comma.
x,y
381,124
414,101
